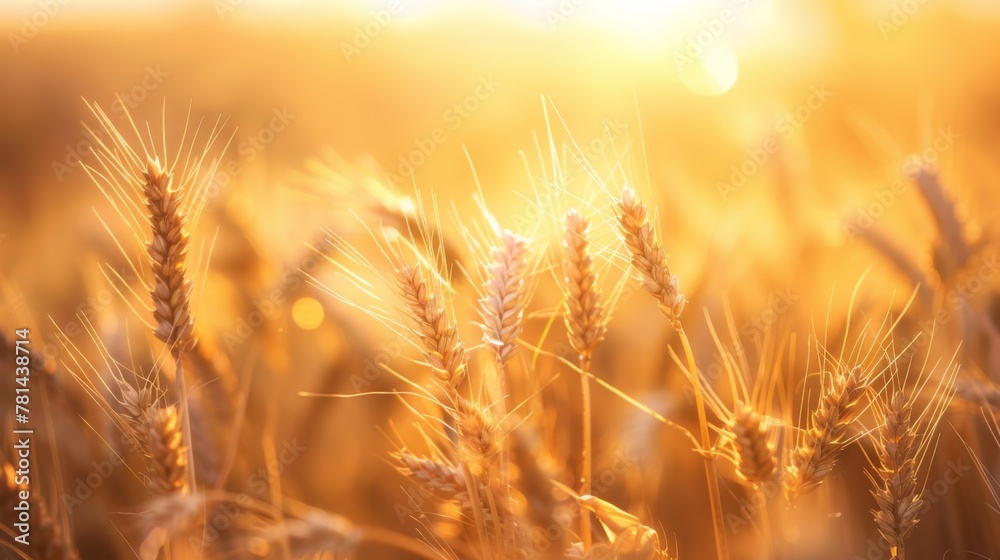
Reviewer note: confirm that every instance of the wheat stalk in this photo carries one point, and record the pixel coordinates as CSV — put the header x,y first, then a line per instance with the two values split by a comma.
x,y
444,352
502,312
585,323
816,455
648,256
650,260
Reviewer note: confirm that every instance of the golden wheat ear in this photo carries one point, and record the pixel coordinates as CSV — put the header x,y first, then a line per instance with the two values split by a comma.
x,y
168,452
503,302
647,255
756,463
816,454
906,435
443,350
585,316
168,251
898,496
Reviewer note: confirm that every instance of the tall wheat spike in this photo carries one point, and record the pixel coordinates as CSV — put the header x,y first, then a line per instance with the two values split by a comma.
x,y
899,498
585,324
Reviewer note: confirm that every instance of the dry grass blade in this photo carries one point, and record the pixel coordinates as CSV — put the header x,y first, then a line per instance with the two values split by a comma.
x,y
816,455
898,498
647,255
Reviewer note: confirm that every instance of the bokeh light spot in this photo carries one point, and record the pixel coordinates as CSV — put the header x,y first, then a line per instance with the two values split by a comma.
x,y
712,73
307,313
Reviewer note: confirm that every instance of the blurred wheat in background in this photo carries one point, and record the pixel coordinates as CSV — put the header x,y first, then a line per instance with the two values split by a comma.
x,y
530,279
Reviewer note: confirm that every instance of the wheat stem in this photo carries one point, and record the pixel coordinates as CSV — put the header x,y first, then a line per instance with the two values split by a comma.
x,y
711,469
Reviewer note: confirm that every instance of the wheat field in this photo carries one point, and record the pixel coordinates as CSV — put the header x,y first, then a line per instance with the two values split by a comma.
x,y
517,280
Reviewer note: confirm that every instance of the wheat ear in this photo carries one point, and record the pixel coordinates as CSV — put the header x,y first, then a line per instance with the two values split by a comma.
x,y
586,326
585,316
502,306
648,256
754,452
168,456
897,496
440,479
135,403
814,458
168,251
443,350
